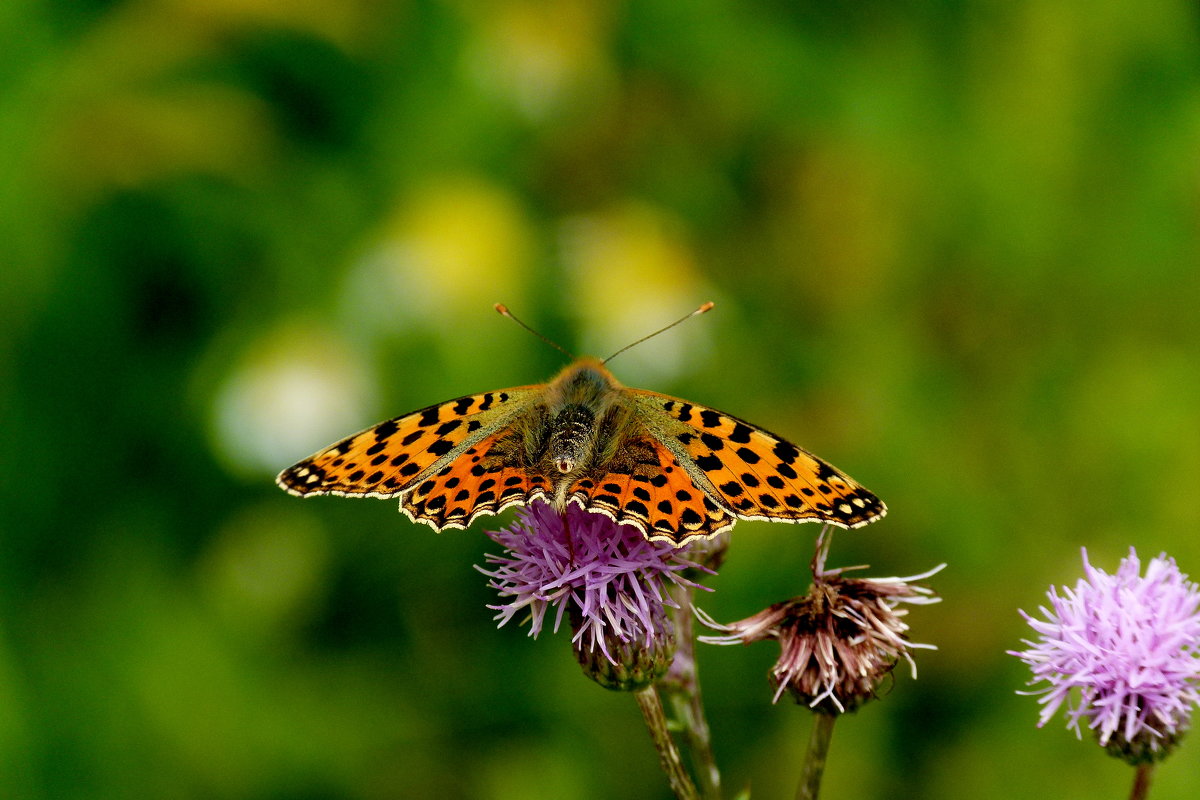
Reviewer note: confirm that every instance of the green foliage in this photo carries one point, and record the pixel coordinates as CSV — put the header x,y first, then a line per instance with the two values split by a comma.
x,y
953,248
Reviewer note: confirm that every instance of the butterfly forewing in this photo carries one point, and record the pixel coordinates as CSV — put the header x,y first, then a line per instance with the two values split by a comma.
x,y
645,486
755,473
397,454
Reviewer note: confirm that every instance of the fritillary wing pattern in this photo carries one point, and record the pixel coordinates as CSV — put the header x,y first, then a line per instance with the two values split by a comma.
x,y
756,474
394,456
485,478
643,485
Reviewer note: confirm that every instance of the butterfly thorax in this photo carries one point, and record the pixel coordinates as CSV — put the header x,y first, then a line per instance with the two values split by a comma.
x,y
582,406
577,399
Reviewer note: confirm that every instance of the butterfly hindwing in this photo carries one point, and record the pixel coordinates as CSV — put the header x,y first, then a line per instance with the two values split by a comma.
x,y
755,473
389,458
644,486
485,478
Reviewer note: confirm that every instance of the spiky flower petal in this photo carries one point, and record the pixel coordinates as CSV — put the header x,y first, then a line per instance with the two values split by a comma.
x,y
607,580
1123,652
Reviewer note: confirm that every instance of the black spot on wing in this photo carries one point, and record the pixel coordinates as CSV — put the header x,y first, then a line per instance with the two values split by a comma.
x,y
786,452
741,433
447,427
732,489
748,455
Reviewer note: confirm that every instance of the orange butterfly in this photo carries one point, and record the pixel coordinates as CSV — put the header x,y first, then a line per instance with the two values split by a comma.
x,y
675,470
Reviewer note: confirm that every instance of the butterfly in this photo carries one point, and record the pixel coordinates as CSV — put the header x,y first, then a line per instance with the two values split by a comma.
x,y
673,469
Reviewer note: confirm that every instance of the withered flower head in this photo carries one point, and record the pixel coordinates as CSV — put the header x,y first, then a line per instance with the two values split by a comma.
x,y
838,641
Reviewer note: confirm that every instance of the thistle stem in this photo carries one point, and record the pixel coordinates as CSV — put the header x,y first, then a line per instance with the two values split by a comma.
x,y
814,757
1141,782
668,755
683,690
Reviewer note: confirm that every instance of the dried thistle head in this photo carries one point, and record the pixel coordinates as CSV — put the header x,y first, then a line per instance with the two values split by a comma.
x,y
839,640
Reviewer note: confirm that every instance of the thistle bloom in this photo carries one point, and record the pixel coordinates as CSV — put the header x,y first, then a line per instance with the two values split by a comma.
x,y
607,579
838,641
1123,651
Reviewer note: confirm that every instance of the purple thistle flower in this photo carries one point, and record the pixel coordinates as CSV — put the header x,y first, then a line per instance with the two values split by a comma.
x,y
609,581
1130,645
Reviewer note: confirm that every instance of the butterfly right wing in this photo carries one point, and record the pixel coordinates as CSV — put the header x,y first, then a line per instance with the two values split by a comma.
x,y
400,454
753,472
643,485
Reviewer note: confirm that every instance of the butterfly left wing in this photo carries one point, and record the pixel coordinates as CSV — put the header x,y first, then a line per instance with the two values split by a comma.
x,y
485,478
400,454
753,472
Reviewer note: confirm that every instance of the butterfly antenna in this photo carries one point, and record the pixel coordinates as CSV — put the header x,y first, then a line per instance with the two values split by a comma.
x,y
705,307
504,312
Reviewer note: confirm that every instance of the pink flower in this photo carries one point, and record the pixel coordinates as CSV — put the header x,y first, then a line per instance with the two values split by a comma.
x,y
607,579
1123,651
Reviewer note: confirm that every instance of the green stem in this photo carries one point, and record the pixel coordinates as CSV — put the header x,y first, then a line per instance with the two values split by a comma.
x,y
668,755
686,703
1141,782
814,758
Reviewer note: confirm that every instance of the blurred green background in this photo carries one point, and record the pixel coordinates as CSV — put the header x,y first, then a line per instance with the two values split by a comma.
x,y
953,247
